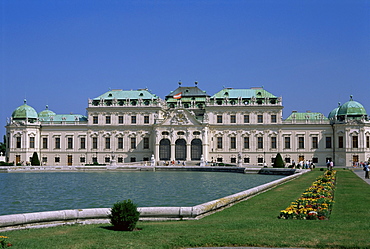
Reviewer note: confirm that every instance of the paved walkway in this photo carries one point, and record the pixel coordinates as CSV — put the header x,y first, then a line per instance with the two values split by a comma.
x,y
361,174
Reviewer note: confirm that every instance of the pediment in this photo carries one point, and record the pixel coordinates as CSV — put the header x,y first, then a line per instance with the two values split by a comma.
x,y
180,117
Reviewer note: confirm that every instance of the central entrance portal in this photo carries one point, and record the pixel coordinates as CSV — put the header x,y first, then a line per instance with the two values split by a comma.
x,y
196,149
164,150
180,149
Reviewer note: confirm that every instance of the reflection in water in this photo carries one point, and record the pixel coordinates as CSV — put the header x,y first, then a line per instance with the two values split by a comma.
x,y
35,192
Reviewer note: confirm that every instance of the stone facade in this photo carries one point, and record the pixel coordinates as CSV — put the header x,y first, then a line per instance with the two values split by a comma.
x,y
189,126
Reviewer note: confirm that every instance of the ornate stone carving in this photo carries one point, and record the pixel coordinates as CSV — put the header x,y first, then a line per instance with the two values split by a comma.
x,y
179,118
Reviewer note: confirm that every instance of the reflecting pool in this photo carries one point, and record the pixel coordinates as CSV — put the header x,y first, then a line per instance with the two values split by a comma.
x,y
49,191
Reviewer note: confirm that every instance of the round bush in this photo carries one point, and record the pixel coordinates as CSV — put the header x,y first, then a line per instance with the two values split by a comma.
x,y
124,215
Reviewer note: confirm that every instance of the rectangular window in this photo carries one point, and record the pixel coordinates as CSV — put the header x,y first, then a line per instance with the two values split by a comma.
x,y
233,160
57,159
133,119
95,143
328,142
120,143
219,142
315,160
260,160
287,159
57,143
233,119
107,143
133,159
340,142
273,142
260,119
44,159
246,118
120,159
315,142
95,120
107,159
120,119
82,143
233,142
260,142
107,119
146,143
273,118
82,160
300,142
246,142
44,142
367,141
133,143
19,142
219,119
246,160
32,142
95,159
146,119
69,143
354,141
287,142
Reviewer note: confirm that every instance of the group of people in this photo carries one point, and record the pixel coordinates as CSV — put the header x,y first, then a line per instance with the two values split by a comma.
x,y
173,163
303,165
329,165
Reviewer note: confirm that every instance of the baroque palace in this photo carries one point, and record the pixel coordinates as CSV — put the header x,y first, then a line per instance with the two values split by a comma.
x,y
188,126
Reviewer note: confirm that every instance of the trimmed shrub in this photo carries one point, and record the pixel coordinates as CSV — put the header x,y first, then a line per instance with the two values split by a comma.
x,y
124,215
279,162
35,159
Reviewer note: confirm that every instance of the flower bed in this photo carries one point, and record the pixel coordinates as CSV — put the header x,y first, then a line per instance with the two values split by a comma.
x,y
316,202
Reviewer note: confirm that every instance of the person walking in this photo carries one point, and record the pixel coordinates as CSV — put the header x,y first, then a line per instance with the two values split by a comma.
x,y
331,165
367,169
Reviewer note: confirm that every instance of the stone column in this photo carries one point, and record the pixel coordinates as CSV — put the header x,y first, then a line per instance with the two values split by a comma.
x,y
188,151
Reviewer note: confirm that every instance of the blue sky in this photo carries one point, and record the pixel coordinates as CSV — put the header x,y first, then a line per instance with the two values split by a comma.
x,y
313,54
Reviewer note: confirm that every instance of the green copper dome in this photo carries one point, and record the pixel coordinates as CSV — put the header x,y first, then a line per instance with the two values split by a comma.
x,y
352,109
24,112
46,113
334,113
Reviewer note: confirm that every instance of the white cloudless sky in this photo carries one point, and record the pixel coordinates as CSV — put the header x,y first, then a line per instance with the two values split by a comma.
x,y
60,53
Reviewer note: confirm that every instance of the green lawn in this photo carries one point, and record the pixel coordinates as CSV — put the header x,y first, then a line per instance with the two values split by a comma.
x,y
250,223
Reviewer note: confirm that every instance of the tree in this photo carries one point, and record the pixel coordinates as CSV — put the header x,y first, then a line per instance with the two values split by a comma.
x,y
3,145
35,159
279,162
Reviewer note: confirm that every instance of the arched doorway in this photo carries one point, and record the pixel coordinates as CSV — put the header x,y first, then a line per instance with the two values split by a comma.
x,y
164,149
196,149
180,149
